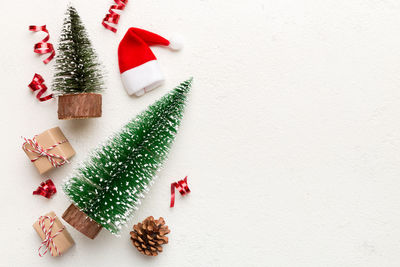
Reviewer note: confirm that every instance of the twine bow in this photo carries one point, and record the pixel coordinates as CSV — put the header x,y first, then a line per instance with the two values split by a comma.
x,y
182,187
41,152
49,238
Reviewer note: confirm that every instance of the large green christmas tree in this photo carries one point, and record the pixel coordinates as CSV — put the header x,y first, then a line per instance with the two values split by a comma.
x,y
77,67
109,186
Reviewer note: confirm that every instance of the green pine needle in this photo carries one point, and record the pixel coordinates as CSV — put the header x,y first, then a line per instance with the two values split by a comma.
x,y
77,68
109,186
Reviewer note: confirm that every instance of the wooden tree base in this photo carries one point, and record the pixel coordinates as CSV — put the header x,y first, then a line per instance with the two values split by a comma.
x,y
79,106
81,222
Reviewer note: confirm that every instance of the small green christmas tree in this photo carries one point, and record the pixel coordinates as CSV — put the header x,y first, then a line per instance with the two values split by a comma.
x,y
109,186
77,68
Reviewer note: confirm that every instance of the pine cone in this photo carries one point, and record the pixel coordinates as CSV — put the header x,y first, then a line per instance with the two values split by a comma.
x,y
149,235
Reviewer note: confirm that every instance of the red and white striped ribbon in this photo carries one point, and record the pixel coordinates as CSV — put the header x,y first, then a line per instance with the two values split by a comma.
x,y
38,149
49,238
112,16
182,187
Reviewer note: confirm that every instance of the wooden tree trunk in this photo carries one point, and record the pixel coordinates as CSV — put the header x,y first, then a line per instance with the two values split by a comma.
x,y
79,106
81,222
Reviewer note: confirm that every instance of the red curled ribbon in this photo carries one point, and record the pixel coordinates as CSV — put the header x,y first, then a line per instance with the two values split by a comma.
x,y
183,188
36,84
43,47
46,189
49,239
112,16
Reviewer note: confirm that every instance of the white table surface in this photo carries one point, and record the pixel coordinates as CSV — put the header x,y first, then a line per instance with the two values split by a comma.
x,y
291,138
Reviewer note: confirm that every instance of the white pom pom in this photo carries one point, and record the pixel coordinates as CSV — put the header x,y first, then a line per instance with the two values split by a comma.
x,y
176,42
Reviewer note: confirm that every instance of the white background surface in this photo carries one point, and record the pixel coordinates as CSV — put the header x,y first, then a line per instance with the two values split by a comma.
x,y
291,138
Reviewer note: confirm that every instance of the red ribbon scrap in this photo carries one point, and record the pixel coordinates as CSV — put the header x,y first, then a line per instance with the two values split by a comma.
x,y
36,84
182,187
43,47
112,16
46,189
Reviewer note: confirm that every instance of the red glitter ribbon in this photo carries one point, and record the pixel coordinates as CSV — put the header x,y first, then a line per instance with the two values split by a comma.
x,y
182,187
41,152
49,239
46,189
37,84
43,47
112,16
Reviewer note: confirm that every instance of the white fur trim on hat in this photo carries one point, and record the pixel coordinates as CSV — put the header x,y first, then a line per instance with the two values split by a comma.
x,y
142,78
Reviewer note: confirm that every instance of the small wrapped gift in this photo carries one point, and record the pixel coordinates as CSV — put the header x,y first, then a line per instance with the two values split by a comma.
x,y
56,238
48,150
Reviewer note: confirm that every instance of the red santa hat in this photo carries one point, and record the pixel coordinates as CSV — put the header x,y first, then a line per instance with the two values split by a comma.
x,y
139,68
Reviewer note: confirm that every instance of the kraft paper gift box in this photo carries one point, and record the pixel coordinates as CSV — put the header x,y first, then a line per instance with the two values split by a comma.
x,y
60,242
54,142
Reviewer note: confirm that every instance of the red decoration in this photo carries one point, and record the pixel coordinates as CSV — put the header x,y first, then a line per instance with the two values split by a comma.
x,y
183,188
46,189
138,65
36,84
43,47
112,16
